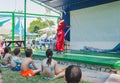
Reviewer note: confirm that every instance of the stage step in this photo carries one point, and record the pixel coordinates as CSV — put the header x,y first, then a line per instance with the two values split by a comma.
x,y
90,67
102,62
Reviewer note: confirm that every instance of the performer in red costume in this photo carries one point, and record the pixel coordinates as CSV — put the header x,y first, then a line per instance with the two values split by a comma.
x,y
60,37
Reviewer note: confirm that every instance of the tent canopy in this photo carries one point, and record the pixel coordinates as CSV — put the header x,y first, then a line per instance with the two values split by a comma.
x,y
68,5
4,26
4,21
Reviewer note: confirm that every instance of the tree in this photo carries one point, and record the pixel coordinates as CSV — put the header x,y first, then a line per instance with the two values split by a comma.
x,y
38,24
49,22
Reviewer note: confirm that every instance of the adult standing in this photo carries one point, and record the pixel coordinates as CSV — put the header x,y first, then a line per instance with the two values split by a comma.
x,y
60,37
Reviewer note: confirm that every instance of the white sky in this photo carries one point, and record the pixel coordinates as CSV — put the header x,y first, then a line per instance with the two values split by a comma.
x,y
18,5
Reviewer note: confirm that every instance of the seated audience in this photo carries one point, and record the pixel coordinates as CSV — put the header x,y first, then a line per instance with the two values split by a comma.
x,y
16,61
25,69
7,57
50,67
73,74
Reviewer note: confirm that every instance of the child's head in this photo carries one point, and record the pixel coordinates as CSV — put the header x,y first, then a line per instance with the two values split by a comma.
x,y
17,51
49,54
73,74
7,49
28,52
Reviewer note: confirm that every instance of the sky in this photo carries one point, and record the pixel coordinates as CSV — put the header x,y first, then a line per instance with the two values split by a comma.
x,y
18,5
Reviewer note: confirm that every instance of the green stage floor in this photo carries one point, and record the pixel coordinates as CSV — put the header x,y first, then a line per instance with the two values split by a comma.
x,y
103,59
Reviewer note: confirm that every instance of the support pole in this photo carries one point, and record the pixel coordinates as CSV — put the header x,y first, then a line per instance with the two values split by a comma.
x,y
24,24
13,27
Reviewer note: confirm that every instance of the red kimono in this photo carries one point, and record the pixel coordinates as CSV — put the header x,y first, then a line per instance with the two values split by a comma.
x,y
60,36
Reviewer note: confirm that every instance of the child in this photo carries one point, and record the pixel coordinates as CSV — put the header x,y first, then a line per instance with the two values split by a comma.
x,y
73,74
49,67
1,48
16,62
6,58
25,70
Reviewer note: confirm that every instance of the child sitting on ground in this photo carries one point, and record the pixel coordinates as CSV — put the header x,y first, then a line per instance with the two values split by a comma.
x,y
16,62
6,58
73,74
49,67
25,69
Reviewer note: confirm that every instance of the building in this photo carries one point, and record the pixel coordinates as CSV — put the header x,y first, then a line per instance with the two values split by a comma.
x,y
94,23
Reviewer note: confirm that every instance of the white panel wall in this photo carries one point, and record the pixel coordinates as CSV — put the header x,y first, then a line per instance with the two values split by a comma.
x,y
97,26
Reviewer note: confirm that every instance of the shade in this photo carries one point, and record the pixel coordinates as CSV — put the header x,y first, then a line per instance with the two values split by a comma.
x,y
68,5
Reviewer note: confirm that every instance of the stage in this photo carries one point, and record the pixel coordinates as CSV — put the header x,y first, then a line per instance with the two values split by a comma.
x,y
108,62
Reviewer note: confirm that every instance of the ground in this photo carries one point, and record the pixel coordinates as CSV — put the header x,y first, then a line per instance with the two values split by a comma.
x,y
9,76
88,76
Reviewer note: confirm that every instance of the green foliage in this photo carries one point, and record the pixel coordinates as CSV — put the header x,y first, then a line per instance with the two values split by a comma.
x,y
38,24
41,32
50,22
36,28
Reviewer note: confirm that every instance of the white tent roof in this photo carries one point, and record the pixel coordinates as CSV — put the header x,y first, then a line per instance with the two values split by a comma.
x,y
6,28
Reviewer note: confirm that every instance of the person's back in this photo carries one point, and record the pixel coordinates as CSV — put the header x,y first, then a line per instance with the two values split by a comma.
x,y
16,61
25,63
49,67
73,74
6,58
48,70
25,66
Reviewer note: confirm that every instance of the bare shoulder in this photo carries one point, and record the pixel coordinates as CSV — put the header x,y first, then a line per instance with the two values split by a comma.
x,y
29,59
44,60
54,61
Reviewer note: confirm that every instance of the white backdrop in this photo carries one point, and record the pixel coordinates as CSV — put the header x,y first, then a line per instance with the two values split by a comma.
x,y
97,26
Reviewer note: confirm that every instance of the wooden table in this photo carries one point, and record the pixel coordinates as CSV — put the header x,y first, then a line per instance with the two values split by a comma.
x,y
17,42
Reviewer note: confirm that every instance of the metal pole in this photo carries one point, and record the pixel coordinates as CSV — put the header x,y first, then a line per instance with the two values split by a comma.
x,y
6,13
24,24
13,27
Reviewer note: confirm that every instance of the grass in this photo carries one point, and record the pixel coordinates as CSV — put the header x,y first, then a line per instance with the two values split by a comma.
x,y
10,76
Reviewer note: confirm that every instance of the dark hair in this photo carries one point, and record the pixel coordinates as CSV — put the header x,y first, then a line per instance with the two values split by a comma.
x,y
28,52
6,50
16,51
49,54
73,74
